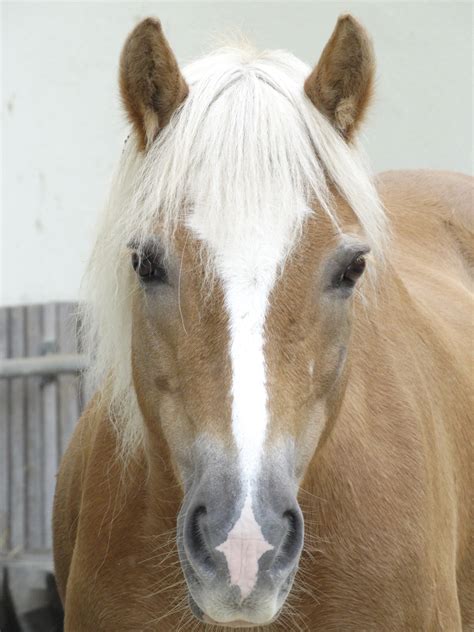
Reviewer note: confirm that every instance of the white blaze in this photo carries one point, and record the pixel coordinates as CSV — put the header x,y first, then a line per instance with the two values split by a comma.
x,y
246,301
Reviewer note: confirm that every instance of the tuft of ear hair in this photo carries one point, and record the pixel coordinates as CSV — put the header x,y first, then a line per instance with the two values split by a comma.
x,y
340,85
151,84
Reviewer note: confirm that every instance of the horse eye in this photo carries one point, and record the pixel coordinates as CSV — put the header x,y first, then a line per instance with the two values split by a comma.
x,y
149,267
353,272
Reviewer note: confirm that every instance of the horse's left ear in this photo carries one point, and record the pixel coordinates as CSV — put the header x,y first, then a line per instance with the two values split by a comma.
x,y
340,86
151,84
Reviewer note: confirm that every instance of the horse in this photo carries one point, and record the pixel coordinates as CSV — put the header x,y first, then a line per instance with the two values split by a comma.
x,y
280,437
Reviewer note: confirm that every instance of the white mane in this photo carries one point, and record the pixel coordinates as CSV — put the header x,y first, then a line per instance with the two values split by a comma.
x,y
246,149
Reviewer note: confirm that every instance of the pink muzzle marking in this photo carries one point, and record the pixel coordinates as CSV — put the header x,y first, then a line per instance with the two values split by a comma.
x,y
244,546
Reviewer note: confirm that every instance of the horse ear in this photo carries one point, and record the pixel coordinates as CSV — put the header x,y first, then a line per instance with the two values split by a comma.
x,y
151,84
340,86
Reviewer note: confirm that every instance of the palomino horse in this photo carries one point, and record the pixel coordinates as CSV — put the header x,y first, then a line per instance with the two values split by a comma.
x,y
256,380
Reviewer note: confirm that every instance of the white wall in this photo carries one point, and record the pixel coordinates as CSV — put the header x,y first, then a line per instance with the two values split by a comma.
x,y
62,127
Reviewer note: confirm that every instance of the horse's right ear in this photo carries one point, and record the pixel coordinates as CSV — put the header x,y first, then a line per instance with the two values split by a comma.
x,y
151,84
341,84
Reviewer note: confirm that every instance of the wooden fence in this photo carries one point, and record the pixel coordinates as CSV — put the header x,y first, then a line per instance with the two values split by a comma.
x,y
41,398
37,416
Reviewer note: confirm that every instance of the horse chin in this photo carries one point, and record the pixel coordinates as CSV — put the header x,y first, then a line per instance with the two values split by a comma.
x,y
237,624
201,616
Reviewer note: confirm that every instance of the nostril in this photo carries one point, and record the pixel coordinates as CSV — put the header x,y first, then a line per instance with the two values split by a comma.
x,y
195,522
292,540
196,540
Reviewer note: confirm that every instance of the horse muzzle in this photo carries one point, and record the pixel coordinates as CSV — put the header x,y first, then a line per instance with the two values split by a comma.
x,y
239,557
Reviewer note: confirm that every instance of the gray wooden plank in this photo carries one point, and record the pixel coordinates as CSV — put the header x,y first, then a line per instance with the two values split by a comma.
x,y
17,435
87,390
68,385
50,426
40,560
46,365
34,450
4,437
